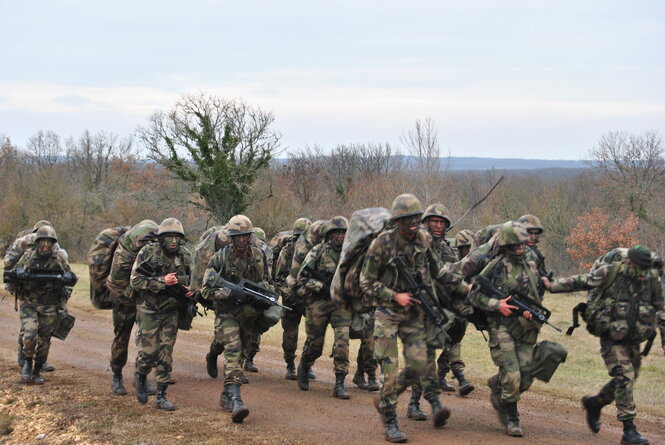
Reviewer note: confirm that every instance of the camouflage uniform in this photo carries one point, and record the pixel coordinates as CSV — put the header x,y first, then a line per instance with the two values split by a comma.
x,y
622,358
40,305
157,310
290,319
321,311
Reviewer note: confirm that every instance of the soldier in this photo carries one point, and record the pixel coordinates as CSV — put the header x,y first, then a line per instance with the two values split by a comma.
x,y
365,362
321,311
511,338
465,242
290,319
628,283
160,271
236,317
124,297
41,301
397,313
535,230
24,241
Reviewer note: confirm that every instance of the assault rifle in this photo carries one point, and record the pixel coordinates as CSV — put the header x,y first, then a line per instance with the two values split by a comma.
x,y
20,275
324,277
178,291
253,292
420,294
519,298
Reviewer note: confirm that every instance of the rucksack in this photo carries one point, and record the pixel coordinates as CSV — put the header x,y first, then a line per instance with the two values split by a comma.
x,y
277,243
99,258
307,239
204,250
364,226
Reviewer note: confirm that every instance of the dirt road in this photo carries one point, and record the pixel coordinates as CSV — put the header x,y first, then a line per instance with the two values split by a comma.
x,y
278,406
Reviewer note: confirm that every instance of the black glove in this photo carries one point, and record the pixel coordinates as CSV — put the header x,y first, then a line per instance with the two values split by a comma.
x,y
261,304
68,278
238,296
21,274
169,305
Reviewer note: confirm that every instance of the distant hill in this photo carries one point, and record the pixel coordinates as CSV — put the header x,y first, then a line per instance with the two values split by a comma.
x,y
462,163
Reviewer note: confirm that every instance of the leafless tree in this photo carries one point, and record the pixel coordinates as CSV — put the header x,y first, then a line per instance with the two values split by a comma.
x,y
44,149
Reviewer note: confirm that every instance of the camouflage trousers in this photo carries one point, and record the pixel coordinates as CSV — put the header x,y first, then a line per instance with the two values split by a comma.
x,y
124,318
515,361
429,381
365,360
232,336
155,339
391,322
37,324
254,345
319,314
451,359
623,364
290,326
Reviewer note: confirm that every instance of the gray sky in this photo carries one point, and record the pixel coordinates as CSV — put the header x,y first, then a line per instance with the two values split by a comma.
x,y
530,78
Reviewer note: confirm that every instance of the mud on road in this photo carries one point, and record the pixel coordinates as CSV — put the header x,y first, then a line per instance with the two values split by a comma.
x,y
279,411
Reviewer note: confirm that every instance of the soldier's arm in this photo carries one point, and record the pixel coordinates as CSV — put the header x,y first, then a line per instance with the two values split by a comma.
x,y
584,281
369,274
211,290
13,255
305,280
283,263
184,279
142,282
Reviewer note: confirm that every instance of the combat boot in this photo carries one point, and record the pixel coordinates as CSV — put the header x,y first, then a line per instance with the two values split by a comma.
x,y
47,367
211,364
495,398
26,372
443,383
303,377
243,378
413,411
161,401
239,412
290,373
372,384
37,378
359,379
440,413
152,390
249,364
117,384
225,399
393,433
592,406
513,427
631,436
339,391
310,374
140,383
465,387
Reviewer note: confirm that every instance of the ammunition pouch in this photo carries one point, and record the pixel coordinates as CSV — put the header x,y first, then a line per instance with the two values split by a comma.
x,y
547,356
63,324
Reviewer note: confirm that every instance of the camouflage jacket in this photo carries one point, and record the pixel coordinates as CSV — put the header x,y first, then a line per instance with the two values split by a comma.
x,y
35,292
379,278
148,271
267,252
283,265
442,249
534,254
323,258
457,276
230,266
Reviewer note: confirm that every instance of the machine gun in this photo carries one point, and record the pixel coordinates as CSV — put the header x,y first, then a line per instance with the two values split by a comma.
x,y
519,298
20,275
253,292
420,294
324,277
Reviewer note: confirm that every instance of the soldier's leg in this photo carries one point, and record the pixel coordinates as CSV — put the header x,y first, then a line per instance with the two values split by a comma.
x,y
47,318
524,352
386,353
216,347
20,356
290,325
124,318
443,365
29,326
232,343
317,319
253,345
426,381
506,388
167,334
619,362
340,320
369,363
147,341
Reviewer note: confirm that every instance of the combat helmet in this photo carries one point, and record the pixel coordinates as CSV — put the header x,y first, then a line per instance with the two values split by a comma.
x,y
531,222
46,232
336,223
300,225
260,233
405,205
41,223
147,222
239,225
171,225
511,233
437,210
465,238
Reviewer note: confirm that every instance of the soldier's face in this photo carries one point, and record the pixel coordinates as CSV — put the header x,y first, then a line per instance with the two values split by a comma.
x,y
534,236
517,249
170,243
409,225
463,251
436,226
45,246
337,237
240,243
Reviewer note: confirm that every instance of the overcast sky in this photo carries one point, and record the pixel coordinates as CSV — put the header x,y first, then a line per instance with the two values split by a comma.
x,y
531,79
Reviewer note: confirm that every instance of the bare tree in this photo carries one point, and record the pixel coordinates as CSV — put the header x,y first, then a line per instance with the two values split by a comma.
x,y
44,149
634,166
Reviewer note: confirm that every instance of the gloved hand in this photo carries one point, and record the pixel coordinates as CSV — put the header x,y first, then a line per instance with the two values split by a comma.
x,y
68,278
21,274
261,305
239,297
171,304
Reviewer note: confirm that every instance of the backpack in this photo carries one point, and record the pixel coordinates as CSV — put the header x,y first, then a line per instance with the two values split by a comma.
x,y
277,243
99,258
364,226
204,250
307,239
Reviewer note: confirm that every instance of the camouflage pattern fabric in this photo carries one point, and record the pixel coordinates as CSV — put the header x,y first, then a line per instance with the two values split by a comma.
x,y
100,255
290,319
267,252
290,325
234,323
515,361
451,358
37,324
157,311
24,241
623,364
307,239
365,360
277,243
124,318
204,250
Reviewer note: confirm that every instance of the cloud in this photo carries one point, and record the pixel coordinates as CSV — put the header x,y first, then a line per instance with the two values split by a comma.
x,y
71,99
